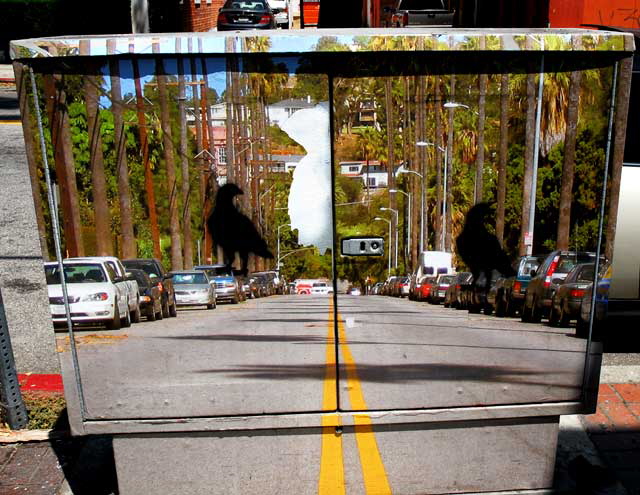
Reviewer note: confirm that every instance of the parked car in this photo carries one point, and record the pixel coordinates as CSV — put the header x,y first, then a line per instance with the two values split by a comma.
x,y
238,15
600,312
280,11
354,291
439,288
277,282
565,303
193,288
426,285
417,13
376,289
321,288
153,267
130,283
477,295
507,295
545,281
150,294
227,289
454,296
96,294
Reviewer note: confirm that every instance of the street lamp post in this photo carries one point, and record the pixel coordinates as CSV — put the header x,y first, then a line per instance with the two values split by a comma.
x,y
408,246
395,263
278,257
444,195
389,262
401,171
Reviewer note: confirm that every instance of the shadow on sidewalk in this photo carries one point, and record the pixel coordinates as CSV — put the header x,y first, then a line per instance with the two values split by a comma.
x,y
87,462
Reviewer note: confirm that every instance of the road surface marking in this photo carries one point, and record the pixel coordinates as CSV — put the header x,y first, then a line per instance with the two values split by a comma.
x,y
373,472
331,481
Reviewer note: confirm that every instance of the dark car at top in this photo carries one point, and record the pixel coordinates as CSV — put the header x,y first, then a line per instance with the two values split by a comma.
x,y
153,267
565,304
546,280
417,13
150,294
238,15
507,295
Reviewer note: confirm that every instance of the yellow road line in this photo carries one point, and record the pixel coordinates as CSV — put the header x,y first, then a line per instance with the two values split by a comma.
x,y
10,122
331,480
373,472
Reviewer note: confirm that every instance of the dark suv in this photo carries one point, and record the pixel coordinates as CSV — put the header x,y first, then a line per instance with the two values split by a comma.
x,y
153,267
546,279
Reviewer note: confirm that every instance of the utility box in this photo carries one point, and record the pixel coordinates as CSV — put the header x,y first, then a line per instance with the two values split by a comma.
x,y
197,149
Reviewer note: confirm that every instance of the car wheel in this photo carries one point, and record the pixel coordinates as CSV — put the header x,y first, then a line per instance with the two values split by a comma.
x,y
553,315
536,313
582,328
563,318
126,321
136,314
173,310
525,316
165,309
151,313
115,324
500,305
210,306
234,300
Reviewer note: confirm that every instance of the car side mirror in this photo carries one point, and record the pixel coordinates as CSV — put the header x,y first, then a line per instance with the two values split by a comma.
x,y
533,272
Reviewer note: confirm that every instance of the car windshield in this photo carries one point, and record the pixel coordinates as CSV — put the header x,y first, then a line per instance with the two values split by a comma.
x,y
420,4
244,5
567,262
75,274
149,268
446,280
189,278
586,274
139,275
527,266
214,271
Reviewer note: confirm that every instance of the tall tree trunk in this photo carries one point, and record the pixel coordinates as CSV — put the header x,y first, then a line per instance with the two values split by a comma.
x,y
528,160
184,161
23,86
568,164
437,109
447,179
169,158
391,183
146,162
482,98
122,169
104,244
620,123
503,152
424,185
56,102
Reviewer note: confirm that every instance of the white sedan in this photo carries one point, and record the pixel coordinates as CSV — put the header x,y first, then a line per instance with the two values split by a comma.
x,y
96,294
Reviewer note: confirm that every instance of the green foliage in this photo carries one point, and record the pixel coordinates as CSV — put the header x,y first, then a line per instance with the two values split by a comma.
x,y
43,410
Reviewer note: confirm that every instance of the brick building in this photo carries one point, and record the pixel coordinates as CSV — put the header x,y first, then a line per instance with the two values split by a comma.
x,y
199,15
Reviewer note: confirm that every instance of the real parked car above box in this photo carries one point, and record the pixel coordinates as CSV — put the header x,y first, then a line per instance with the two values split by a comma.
x,y
238,15
193,288
417,13
153,267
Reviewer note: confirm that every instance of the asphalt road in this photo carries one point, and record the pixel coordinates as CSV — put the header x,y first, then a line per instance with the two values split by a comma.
x,y
276,355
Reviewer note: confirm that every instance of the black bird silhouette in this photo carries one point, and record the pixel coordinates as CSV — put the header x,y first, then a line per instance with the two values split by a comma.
x,y
479,248
233,231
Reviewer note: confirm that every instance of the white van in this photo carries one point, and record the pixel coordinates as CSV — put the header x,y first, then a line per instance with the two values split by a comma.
x,y
435,263
280,12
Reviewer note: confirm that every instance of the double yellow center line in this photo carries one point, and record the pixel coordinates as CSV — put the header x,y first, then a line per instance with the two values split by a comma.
x,y
331,480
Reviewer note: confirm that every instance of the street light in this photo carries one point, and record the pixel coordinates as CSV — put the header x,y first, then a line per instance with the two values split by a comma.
x,y
401,171
260,196
389,262
444,195
278,257
408,247
382,208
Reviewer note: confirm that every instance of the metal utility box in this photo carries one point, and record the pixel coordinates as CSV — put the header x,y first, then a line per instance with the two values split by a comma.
x,y
199,148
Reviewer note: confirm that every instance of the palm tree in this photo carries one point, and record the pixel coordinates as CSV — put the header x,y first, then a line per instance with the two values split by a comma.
x,y
184,161
568,164
449,199
620,124
169,158
503,156
96,160
23,87
122,169
528,160
391,183
438,152
482,98
146,162
56,104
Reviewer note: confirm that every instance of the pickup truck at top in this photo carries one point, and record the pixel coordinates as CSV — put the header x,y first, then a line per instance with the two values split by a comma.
x,y
132,295
417,13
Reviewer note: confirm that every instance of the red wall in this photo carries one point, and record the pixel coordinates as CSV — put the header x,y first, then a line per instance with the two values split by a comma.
x,y
619,13
199,17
